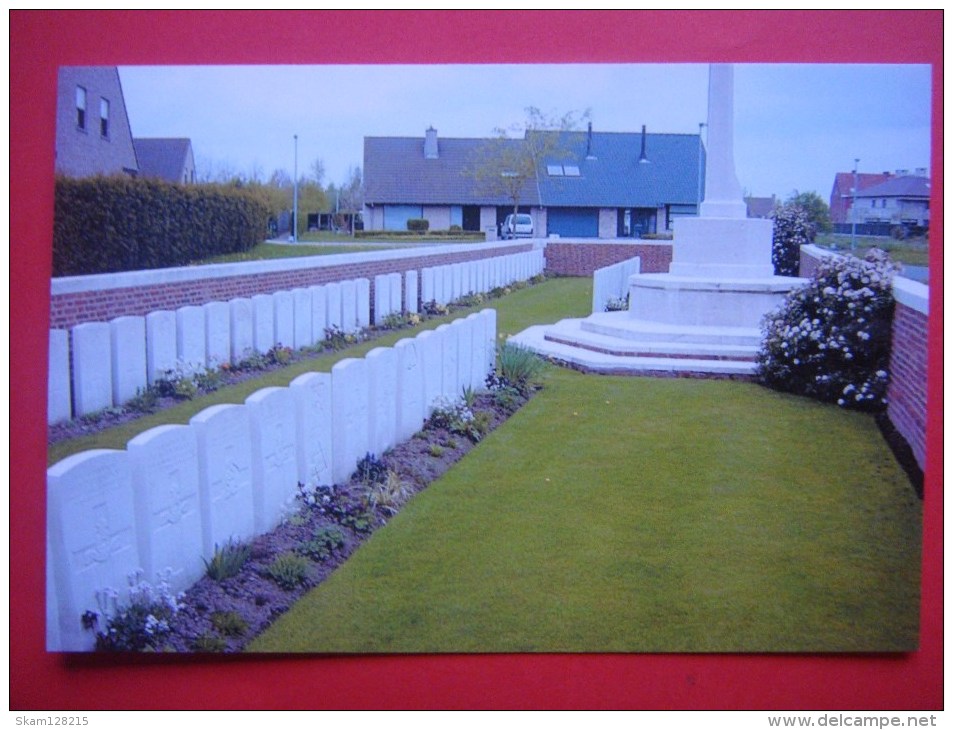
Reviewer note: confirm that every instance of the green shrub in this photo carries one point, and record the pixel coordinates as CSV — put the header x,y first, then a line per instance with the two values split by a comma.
x,y
389,495
792,229
288,570
229,623
519,367
418,225
325,542
370,470
831,338
107,224
208,644
227,561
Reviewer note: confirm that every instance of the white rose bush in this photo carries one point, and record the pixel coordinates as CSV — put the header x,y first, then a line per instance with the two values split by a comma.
x,y
792,229
830,339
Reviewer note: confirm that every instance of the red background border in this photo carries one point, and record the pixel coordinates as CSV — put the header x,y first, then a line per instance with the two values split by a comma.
x,y
40,41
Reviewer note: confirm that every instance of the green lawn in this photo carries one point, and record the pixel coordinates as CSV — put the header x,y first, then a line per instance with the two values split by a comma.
x,y
913,251
265,251
640,515
555,298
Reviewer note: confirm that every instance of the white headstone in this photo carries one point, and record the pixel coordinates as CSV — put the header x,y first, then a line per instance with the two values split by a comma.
x,y
464,329
128,341
58,390
335,319
478,358
451,360
430,351
223,436
319,313
284,318
241,332
312,396
458,281
489,334
161,358
410,292
410,389
274,455
190,339
349,306
349,398
263,323
363,303
427,285
92,537
382,306
302,318
165,477
382,399
395,293
217,328
92,370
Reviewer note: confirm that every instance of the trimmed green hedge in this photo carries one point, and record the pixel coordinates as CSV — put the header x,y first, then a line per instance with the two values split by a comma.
x,y
108,224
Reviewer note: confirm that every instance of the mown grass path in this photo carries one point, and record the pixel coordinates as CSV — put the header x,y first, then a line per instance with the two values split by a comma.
x,y
618,514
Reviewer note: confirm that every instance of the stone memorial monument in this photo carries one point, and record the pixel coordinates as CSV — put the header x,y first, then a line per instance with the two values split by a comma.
x,y
704,315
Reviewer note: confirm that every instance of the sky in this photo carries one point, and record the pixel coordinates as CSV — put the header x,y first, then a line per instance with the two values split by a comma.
x,y
796,125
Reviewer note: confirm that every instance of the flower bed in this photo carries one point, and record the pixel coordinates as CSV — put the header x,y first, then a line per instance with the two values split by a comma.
x,y
247,586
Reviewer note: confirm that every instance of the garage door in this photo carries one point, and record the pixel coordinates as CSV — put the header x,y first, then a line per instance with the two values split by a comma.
x,y
573,222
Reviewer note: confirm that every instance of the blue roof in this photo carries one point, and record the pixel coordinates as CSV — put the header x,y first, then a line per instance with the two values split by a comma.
x,y
611,176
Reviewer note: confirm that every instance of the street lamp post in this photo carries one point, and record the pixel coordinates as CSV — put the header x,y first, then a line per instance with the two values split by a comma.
x,y
853,209
294,215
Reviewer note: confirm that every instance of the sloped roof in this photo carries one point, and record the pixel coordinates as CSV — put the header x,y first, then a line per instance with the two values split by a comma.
x,y
613,176
395,172
163,158
844,181
905,186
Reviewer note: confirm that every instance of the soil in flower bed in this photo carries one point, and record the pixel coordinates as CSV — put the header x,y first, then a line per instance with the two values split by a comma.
x,y
224,615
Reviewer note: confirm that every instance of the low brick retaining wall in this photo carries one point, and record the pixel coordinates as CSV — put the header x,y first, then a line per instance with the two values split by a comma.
x,y
100,298
907,392
582,258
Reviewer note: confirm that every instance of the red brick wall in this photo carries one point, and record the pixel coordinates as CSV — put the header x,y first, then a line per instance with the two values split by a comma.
x,y
71,309
581,259
907,393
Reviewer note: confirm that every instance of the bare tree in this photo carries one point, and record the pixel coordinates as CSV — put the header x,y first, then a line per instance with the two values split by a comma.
x,y
509,161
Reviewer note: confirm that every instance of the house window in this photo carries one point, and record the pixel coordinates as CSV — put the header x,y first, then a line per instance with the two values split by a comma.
x,y
80,107
104,118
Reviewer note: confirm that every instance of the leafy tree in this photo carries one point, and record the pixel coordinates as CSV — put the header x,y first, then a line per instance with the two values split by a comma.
x,y
507,163
817,211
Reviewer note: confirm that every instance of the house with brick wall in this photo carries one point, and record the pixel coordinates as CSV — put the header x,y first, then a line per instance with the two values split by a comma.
x,y
901,200
93,135
598,184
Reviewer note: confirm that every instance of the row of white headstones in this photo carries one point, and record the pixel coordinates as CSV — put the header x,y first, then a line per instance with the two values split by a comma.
x,y
163,504
98,365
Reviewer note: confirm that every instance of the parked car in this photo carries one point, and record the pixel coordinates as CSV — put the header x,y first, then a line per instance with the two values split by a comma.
x,y
518,225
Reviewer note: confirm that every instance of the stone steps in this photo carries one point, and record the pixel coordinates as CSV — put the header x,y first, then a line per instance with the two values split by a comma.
x,y
567,342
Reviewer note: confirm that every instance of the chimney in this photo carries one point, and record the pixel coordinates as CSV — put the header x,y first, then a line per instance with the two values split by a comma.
x,y
589,143
642,156
430,144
